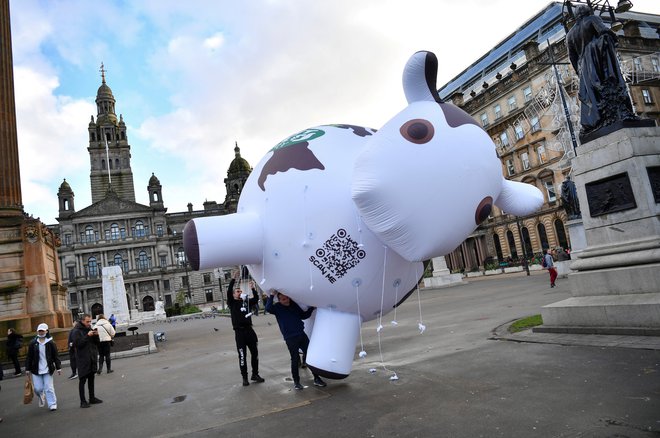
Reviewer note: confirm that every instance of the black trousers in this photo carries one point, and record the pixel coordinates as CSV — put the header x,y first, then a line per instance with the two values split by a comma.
x,y
246,339
104,352
13,355
89,378
296,344
72,360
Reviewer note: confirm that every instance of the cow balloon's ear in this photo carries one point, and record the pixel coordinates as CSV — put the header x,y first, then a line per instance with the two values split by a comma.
x,y
519,199
419,78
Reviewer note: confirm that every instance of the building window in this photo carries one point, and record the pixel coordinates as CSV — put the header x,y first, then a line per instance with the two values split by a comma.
x,y
512,245
209,295
519,132
207,278
180,256
543,237
550,189
71,272
92,267
561,233
142,261
498,111
163,261
638,63
122,233
484,120
656,65
139,229
541,154
524,157
646,95
119,261
504,139
536,126
114,231
509,167
107,234
159,230
89,234
527,91
166,284
512,103
184,281
67,239
73,299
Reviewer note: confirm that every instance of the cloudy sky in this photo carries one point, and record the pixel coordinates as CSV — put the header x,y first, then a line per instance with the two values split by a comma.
x,y
193,77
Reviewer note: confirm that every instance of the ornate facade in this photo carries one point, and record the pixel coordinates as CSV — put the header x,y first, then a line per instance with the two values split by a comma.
x,y
520,92
144,240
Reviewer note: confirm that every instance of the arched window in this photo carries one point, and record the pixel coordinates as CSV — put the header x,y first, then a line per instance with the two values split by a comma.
x,y
114,231
527,241
142,261
139,229
148,304
92,267
180,256
103,164
110,164
543,237
96,309
117,163
512,244
561,234
498,246
89,233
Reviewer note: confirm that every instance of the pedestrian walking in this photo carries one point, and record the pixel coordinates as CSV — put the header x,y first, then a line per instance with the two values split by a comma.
x,y
40,364
85,342
72,355
245,336
549,264
14,344
106,333
290,318
113,321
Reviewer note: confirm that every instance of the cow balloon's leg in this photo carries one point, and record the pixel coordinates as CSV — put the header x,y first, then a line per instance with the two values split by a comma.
x,y
332,346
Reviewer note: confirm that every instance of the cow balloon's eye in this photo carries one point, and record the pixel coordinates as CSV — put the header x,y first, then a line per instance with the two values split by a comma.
x,y
418,131
483,210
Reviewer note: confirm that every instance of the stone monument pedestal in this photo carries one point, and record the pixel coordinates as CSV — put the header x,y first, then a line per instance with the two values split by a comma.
x,y
616,283
441,275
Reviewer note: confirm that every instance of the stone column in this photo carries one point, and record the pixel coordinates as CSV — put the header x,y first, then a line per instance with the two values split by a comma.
x,y
10,177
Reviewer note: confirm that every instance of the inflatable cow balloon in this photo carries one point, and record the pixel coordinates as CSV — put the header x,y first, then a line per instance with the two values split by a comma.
x,y
341,217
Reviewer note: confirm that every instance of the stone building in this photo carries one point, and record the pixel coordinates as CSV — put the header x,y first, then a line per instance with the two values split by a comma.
x,y
520,92
144,240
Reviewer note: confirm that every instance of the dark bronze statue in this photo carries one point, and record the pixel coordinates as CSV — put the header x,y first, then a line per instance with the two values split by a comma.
x,y
603,94
569,199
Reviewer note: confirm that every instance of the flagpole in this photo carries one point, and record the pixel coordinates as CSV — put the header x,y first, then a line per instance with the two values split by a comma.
x,y
107,157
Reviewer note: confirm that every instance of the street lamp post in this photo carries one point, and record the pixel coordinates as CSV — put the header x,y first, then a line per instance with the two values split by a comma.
x,y
522,243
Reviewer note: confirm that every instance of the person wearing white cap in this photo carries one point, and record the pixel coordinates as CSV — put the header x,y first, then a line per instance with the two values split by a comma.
x,y
42,361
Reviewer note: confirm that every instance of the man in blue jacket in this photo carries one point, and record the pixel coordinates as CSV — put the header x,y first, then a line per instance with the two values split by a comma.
x,y
290,319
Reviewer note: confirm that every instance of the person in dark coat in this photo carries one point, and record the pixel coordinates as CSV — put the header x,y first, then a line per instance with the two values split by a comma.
x,y
41,362
72,356
85,343
245,336
14,343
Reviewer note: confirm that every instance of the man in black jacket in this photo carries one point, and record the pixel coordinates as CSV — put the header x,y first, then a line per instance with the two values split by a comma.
x,y
85,343
241,320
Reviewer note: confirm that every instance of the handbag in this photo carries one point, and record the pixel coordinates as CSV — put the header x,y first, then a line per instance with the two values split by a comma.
x,y
28,390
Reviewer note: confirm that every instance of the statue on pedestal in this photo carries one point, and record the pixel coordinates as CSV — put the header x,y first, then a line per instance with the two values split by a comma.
x,y
603,94
569,199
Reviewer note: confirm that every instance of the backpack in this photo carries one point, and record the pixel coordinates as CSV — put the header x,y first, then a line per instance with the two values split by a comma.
x,y
544,263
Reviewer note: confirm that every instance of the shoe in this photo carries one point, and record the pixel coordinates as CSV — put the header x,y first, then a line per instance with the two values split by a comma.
x,y
20,373
99,372
257,378
42,400
552,285
298,386
319,382
111,371
95,401
245,382
53,408
303,365
84,404
73,376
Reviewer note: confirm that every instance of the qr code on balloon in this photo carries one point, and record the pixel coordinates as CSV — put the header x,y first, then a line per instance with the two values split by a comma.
x,y
338,255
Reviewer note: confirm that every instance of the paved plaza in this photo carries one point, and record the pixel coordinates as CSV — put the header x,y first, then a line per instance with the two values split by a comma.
x,y
463,377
